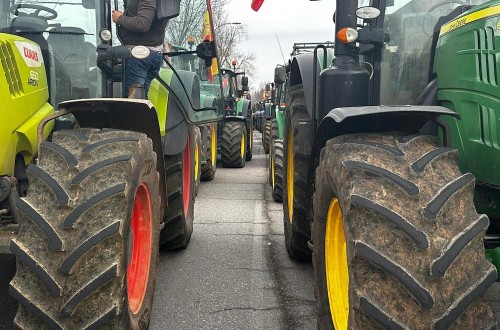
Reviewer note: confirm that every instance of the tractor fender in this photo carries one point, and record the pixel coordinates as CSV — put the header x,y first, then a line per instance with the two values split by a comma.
x,y
246,107
176,133
123,114
192,84
178,109
301,73
235,118
372,119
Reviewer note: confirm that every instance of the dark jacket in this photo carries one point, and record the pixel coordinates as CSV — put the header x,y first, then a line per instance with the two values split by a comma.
x,y
139,24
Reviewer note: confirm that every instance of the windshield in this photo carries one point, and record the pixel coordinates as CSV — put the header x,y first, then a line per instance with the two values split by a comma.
x,y
68,42
406,56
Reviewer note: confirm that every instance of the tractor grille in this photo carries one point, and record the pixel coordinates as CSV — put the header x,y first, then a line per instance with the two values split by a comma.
x,y
9,65
486,63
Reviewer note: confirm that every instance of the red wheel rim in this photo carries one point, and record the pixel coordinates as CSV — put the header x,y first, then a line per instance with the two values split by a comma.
x,y
140,260
186,177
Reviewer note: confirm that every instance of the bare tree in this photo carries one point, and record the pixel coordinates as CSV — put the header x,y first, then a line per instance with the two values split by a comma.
x,y
228,37
188,23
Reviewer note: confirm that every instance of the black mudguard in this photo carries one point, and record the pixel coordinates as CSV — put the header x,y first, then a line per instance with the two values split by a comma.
x,y
246,107
374,119
301,72
176,131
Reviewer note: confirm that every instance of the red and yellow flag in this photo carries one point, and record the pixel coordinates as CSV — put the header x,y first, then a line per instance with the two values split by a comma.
x,y
208,35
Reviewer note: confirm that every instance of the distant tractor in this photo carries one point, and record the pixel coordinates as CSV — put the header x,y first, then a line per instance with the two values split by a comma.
x,y
236,129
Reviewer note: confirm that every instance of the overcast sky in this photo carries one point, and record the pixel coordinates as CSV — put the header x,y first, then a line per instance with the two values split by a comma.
x,y
292,20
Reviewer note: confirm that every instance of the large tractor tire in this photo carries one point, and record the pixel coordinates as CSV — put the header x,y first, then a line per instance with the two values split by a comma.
x,y
209,168
295,172
266,136
87,247
233,144
197,154
277,170
178,220
398,243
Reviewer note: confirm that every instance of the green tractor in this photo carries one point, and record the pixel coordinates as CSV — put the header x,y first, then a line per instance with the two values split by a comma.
x,y
373,145
89,192
236,129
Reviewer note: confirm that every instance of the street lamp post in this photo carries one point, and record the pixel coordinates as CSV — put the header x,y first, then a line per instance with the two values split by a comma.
x,y
228,23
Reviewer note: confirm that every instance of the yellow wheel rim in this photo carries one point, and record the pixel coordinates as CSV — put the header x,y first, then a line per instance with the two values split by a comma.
x,y
242,148
272,169
196,161
337,272
289,175
213,141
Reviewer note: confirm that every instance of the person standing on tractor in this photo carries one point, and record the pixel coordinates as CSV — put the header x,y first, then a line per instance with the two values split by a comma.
x,y
139,25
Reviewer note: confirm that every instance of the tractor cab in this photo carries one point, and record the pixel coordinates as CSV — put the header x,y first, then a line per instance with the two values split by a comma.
x,y
398,46
83,56
67,42
231,89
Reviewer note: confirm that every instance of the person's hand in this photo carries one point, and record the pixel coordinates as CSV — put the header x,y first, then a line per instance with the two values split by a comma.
x,y
116,15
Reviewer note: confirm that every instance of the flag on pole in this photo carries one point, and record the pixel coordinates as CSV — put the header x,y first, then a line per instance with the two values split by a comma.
x,y
208,35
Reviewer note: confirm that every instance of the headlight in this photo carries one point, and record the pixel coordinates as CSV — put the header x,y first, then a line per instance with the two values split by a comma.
x,y
105,35
140,52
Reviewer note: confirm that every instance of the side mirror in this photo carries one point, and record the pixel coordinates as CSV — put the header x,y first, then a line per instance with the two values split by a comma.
x,y
244,82
167,8
280,75
88,4
206,51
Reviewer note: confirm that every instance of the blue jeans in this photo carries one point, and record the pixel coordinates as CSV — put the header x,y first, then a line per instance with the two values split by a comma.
x,y
141,71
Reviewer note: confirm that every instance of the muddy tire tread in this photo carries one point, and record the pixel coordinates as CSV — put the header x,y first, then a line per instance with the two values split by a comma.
x,y
231,144
406,292
94,245
278,170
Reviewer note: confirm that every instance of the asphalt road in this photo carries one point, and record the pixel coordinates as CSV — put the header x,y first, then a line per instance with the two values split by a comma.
x,y
235,274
